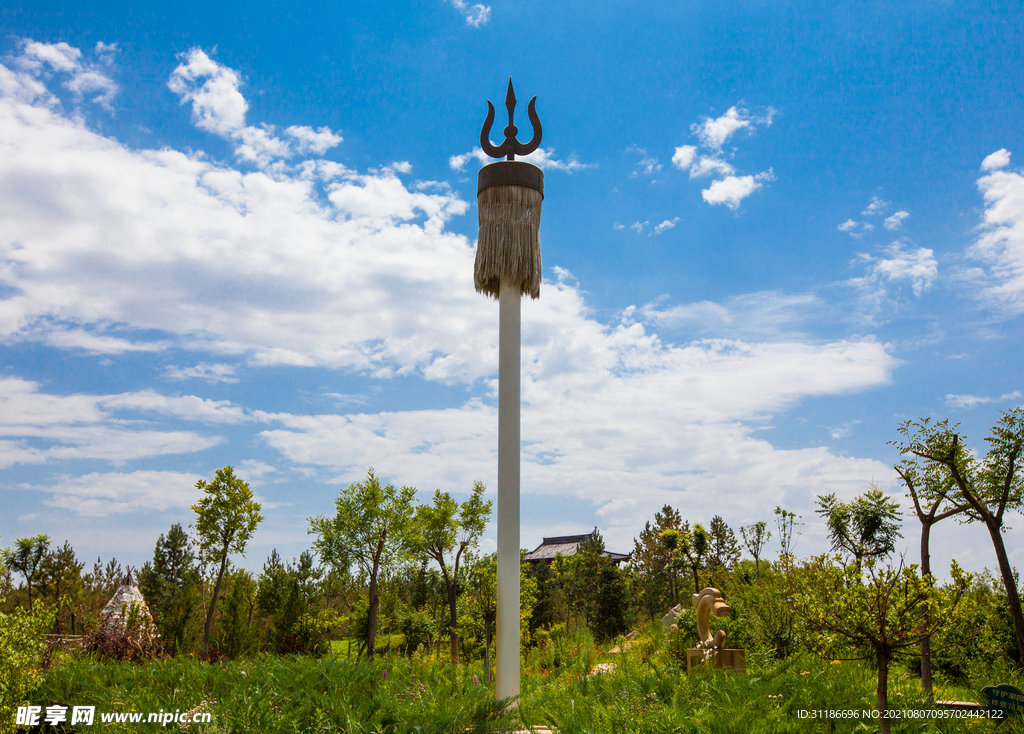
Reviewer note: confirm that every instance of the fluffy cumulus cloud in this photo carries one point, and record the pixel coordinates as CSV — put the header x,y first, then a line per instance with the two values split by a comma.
x,y
712,133
219,107
84,79
734,189
875,208
666,225
681,425
1000,246
903,263
309,262
476,15
895,221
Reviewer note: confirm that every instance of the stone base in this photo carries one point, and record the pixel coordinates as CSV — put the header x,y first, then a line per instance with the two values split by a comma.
x,y
732,659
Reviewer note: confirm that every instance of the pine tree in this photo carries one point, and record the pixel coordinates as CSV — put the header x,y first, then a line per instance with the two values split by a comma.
x,y
723,548
657,583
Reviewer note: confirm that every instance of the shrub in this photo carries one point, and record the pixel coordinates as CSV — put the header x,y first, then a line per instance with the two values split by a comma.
x,y
22,639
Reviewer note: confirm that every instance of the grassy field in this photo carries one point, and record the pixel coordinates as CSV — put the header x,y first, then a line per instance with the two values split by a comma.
x,y
645,692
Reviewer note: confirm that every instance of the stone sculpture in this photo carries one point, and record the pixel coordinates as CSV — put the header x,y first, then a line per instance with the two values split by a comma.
x,y
710,648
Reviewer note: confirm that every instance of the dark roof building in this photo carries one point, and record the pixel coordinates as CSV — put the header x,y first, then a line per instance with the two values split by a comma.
x,y
565,545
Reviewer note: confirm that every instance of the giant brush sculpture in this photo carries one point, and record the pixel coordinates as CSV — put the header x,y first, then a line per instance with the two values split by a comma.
x,y
509,196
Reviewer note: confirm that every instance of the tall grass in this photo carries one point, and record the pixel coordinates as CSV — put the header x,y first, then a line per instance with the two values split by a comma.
x,y
647,692
288,694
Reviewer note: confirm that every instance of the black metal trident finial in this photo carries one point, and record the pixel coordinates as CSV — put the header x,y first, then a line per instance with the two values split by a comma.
x,y
511,147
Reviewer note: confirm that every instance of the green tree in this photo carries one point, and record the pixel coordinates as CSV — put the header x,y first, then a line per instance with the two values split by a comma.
x,y
988,487
787,523
170,585
61,574
483,588
694,547
866,527
443,532
226,518
370,530
723,549
755,537
657,582
930,489
26,558
876,617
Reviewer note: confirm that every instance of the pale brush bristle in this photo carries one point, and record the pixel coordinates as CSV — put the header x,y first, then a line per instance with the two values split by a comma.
x,y
509,243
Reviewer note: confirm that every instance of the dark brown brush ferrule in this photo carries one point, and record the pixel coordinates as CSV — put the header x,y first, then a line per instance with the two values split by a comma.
x,y
514,173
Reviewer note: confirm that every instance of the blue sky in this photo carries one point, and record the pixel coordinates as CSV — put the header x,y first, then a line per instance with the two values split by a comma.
x,y
244,235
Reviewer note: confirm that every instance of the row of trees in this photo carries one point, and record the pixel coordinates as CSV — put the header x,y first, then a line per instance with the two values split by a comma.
x,y
383,561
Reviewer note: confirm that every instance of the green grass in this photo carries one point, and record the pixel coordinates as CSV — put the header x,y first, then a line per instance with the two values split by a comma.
x,y
339,648
645,693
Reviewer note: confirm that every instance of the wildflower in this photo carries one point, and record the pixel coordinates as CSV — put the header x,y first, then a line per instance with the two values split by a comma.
x,y
475,681
385,674
805,672
836,662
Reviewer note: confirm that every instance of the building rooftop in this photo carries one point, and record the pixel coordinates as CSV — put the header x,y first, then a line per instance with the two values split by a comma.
x,y
565,545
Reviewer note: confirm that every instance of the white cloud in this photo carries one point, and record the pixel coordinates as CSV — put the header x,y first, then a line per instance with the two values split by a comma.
x,y
842,430
85,80
203,371
680,428
972,401
476,15
918,265
618,226
219,107
895,221
101,494
876,207
997,160
542,158
667,224
734,189
855,229
684,156
647,166
751,316
714,132
86,427
1000,247
309,140
711,165
317,264
638,227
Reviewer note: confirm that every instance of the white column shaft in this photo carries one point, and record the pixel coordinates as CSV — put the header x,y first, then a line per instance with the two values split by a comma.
x,y
507,638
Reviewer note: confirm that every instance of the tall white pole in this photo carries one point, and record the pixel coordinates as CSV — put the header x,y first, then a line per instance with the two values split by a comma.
x,y
507,683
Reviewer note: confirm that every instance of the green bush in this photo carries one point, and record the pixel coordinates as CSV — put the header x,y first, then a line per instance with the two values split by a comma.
x,y
418,630
22,642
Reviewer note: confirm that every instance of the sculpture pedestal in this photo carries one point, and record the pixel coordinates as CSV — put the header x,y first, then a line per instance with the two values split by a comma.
x,y
732,659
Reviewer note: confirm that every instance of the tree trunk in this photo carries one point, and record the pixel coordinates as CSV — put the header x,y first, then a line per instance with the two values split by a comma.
x,y
883,693
371,627
487,648
374,603
926,640
1006,571
454,623
213,601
